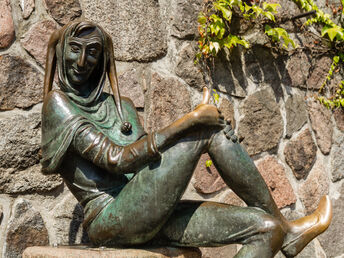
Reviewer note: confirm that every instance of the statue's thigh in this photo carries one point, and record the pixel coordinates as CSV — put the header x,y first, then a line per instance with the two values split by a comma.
x,y
213,224
139,211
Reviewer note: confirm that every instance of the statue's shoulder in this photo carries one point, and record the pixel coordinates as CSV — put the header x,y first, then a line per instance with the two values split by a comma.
x,y
55,96
54,101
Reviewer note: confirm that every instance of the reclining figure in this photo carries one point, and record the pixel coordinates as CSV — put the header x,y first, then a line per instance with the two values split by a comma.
x,y
95,141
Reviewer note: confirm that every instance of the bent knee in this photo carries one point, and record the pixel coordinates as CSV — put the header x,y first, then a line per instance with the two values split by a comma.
x,y
272,232
270,224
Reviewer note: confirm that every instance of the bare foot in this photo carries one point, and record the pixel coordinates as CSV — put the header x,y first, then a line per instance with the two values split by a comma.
x,y
304,230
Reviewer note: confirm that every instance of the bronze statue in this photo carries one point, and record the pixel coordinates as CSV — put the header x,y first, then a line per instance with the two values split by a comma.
x,y
130,182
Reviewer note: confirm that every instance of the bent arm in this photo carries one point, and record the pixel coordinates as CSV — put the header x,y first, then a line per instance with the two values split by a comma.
x,y
93,145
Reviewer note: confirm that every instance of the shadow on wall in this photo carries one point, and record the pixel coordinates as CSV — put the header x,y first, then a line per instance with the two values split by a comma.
x,y
258,64
76,225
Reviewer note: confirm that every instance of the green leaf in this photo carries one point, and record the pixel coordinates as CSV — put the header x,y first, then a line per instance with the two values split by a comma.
x,y
270,7
232,40
332,32
269,15
267,29
244,43
222,33
198,56
341,55
256,10
277,33
202,19
247,8
216,96
208,163
216,18
227,13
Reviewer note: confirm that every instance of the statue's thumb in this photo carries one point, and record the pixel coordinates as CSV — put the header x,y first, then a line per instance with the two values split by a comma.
x,y
206,96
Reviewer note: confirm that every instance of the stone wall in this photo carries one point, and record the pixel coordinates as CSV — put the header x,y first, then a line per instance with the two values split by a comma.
x,y
297,144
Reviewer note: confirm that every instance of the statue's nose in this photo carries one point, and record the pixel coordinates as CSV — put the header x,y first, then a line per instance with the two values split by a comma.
x,y
82,59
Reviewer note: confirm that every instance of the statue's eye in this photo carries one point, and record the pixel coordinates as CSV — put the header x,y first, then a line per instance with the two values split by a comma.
x,y
93,51
75,48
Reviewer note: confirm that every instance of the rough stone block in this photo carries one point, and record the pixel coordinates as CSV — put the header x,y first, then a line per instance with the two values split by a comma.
x,y
229,76
26,181
207,179
27,8
332,240
184,18
232,199
20,140
320,118
314,187
169,100
262,67
318,72
298,69
296,114
36,39
20,83
63,11
227,251
339,118
227,110
186,69
300,154
262,125
67,217
130,86
80,251
20,172
25,228
337,160
275,177
7,27
137,29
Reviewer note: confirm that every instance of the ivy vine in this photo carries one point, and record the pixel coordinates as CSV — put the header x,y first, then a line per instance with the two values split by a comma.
x,y
215,34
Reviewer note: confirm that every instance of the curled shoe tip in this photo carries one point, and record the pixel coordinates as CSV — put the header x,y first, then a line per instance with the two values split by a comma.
x,y
307,228
325,212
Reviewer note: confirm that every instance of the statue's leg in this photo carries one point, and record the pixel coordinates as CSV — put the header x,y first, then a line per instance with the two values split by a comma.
x,y
139,211
241,175
213,224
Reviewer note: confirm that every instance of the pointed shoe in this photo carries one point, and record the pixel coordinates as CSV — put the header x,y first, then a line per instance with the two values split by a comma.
x,y
305,229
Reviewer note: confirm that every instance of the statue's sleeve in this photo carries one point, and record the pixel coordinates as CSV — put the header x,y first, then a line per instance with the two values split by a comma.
x,y
93,145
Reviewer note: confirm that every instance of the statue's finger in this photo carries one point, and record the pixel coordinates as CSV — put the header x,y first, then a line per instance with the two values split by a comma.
x,y
222,122
206,96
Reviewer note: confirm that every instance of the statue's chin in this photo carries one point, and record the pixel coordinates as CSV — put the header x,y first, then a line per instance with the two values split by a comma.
x,y
77,80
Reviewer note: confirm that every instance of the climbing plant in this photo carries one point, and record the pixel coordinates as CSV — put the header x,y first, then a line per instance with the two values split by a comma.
x,y
215,34
335,34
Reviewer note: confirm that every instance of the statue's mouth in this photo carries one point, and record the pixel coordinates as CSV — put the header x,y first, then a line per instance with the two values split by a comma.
x,y
79,72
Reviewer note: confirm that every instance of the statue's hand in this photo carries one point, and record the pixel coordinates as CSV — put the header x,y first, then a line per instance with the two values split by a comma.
x,y
203,116
206,114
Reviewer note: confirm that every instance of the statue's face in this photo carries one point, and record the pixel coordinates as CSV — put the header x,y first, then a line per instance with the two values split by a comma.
x,y
82,55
